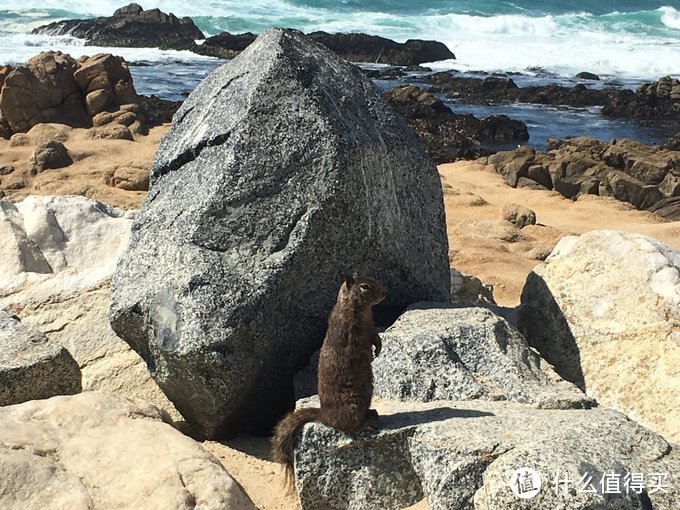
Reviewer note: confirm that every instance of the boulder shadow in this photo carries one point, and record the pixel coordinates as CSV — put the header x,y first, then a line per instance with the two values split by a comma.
x,y
546,329
410,418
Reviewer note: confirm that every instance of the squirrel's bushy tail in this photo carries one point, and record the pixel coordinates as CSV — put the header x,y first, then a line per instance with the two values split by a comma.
x,y
284,439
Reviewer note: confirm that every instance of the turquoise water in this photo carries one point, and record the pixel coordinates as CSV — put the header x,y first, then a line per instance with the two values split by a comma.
x,y
634,38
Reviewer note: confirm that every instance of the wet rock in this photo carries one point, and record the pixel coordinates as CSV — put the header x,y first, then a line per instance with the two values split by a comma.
x,y
585,75
226,301
657,100
157,110
446,135
225,45
379,50
355,47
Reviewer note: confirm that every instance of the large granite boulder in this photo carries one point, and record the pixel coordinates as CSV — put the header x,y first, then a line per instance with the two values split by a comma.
x,y
440,352
31,366
355,47
57,255
283,170
465,455
130,26
98,451
604,309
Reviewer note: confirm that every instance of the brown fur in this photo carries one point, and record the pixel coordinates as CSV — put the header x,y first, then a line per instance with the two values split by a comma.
x,y
345,377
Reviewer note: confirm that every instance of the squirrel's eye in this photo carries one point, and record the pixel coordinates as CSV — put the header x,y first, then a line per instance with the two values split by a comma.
x,y
365,286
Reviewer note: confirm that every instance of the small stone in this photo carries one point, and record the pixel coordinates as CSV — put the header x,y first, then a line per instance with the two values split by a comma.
x,y
110,132
587,76
50,155
518,215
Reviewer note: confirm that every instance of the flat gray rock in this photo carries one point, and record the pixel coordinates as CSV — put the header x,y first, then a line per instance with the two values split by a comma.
x,y
442,352
282,171
463,455
31,367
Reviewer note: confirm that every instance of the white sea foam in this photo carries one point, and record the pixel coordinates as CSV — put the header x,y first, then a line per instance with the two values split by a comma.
x,y
561,50
670,17
19,48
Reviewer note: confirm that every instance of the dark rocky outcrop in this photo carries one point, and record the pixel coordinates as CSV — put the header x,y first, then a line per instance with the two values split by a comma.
x,y
158,110
379,50
629,171
585,75
673,143
236,257
130,26
355,47
225,45
658,100
446,135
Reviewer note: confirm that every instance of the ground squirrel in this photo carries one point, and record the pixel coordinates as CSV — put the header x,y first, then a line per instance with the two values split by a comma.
x,y
345,378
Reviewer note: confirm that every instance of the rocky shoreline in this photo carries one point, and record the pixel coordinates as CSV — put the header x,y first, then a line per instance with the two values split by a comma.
x,y
132,26
193,316
646,177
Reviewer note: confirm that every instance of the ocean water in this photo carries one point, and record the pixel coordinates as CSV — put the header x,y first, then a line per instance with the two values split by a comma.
x,y
624,41
632,38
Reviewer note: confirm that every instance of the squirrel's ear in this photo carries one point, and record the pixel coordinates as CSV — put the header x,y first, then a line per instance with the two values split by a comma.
x,y
349,279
